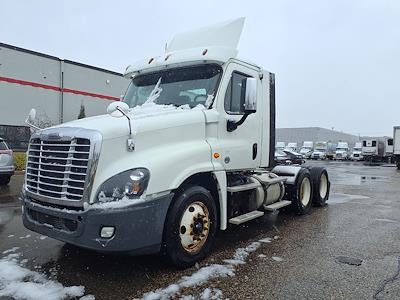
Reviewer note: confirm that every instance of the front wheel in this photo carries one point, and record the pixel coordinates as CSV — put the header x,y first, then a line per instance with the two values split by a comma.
x,y
191,226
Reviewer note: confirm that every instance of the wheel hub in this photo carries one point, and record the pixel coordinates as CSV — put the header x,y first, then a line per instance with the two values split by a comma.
x,y
194,227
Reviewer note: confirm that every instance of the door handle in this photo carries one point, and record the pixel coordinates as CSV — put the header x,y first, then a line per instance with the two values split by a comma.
x,y
254,151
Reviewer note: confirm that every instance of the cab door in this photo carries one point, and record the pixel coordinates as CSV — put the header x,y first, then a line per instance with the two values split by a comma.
x,y
241,148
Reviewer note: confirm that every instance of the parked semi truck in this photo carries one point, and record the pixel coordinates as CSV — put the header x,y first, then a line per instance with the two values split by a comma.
x,y
307,149
189,150
280,146
396,145
388,149
320,150
291,147
373,149
357,152
342,151
330,150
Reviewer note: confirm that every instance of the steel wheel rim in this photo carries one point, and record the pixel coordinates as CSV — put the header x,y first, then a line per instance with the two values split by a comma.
x,y
323,186
194,227
305,191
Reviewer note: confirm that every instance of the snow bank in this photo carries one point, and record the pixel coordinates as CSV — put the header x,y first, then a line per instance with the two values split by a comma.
x,y
205,274
21,283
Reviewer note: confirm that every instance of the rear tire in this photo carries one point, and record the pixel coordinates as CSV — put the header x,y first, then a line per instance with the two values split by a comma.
x,y
321,185
191,226
301,192
5,179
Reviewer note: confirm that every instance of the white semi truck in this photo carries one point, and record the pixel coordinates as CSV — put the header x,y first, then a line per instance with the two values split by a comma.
x,y
320,150
291,147
357,152
307,149
280,146
188,151
342,151
396,145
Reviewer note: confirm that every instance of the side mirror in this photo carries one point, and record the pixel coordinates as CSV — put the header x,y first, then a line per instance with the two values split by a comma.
x,y
248,100
117,109
30,120
249,95
31,116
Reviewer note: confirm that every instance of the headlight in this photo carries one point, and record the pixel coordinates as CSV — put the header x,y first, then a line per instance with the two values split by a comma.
x,y
129,184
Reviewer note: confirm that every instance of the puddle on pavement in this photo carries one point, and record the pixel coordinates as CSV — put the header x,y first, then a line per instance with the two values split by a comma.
x,y
337,198
355,179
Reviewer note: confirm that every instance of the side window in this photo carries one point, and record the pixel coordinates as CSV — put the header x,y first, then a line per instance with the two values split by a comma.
x,y
373,143
233,94
390,142
364,143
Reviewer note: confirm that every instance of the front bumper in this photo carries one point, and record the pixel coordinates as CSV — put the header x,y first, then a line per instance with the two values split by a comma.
x,y
7,170
138,228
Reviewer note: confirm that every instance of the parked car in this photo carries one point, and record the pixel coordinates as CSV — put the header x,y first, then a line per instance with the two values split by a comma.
x,y
282,158
295,158
6,163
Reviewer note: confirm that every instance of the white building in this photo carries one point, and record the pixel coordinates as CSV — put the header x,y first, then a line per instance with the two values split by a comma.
x,y
55,87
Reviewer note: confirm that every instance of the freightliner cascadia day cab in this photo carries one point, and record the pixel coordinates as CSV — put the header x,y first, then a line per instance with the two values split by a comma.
x,y
189,150
291,147
373,149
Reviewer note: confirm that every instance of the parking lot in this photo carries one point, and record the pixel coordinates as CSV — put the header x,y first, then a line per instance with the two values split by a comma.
x,y
348,249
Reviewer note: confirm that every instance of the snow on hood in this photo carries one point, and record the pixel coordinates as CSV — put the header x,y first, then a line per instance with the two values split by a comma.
x,y
116,125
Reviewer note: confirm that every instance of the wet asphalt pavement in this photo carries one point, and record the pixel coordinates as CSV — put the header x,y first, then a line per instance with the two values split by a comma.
x,y
349,249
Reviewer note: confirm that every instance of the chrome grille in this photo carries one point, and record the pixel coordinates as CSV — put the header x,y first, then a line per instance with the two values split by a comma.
x,y
58,169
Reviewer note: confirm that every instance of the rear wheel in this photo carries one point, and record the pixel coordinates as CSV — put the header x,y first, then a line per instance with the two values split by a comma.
x,y
301,192
321,185
5,179
191,226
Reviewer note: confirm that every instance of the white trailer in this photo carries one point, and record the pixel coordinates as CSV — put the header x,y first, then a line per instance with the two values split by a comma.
x,y
373,149
307,149
396,145
189,151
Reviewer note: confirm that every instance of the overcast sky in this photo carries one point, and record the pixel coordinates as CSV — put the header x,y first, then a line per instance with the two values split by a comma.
x,y
337,63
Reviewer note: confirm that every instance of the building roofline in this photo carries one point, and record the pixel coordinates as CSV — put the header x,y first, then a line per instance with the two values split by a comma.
x,y
12,47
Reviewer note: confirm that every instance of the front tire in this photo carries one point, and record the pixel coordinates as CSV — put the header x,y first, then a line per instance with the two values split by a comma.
x,y
191,226
301,192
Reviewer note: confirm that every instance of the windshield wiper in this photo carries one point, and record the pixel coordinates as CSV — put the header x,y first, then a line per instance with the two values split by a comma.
x,y
155,93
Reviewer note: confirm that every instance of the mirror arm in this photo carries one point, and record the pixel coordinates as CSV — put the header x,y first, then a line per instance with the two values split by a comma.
x,y
31,125
232,125
129,120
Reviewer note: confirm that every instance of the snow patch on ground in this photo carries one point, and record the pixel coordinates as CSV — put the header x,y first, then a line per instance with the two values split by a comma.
x,y
338,198
11,250
262,256
11,235
386,220
277,258
25,237
18,282
205,274
42,237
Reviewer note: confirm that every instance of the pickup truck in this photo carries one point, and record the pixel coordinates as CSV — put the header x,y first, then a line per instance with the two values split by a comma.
x,y
188,151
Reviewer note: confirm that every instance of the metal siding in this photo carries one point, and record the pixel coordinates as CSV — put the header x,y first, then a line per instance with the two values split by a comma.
x,y
17,99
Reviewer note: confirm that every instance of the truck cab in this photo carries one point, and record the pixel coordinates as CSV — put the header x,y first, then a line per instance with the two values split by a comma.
x,y
307,149
291,147
280,146
319,151
189,151
357,152
342,151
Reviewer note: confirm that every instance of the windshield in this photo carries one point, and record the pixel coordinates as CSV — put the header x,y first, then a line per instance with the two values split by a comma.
x,y
180,86
341,149
320,149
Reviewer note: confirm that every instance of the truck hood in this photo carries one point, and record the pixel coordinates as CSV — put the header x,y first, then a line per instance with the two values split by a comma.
x,y
142,119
